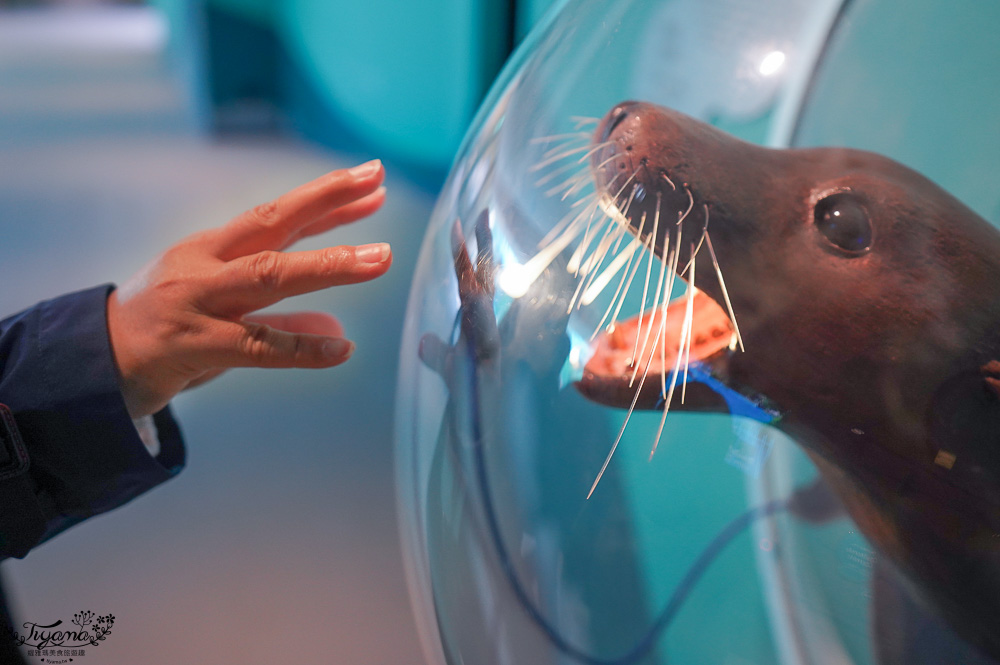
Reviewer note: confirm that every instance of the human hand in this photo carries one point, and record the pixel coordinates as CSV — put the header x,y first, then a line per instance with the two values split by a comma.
x,y
185,318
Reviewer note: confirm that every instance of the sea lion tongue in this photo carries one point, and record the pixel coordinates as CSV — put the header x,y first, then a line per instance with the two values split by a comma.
x,y
629,351
623,356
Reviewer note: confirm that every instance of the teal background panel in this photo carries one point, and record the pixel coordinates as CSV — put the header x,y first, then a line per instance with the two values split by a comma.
x,y
407,77
915,80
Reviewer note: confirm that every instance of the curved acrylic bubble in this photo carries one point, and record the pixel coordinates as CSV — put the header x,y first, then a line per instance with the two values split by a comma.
x,y
683,557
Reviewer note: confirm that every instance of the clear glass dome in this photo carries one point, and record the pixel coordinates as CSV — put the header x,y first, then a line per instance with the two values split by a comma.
x,y
527,359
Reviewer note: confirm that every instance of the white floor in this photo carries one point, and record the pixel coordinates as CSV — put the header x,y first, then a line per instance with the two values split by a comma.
x,y
278,543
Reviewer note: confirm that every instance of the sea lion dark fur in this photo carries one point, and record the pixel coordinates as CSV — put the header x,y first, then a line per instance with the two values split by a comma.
x,y
868,300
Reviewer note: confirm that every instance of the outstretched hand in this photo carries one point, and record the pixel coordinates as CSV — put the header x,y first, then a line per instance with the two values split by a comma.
x,y
186,317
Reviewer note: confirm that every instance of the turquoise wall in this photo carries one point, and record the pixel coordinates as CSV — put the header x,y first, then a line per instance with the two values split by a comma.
x,y
401,79
407,76
916,80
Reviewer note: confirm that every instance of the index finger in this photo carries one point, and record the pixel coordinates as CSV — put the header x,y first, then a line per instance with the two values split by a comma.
x,y
270,225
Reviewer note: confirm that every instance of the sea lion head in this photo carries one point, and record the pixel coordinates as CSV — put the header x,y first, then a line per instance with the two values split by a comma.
x,y
844,268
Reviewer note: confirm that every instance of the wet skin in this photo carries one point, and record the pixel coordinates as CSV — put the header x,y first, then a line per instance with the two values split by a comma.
x,y
868,300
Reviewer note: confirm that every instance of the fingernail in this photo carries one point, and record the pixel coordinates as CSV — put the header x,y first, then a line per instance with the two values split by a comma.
x,y
338,348
366,169
374,253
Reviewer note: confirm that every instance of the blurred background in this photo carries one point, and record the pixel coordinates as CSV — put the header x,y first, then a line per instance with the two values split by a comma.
x,y
124,126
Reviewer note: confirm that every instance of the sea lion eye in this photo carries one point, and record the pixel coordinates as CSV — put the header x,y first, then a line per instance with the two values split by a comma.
x,y
844,222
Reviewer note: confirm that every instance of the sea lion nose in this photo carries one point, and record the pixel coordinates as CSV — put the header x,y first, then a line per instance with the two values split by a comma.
x,y
615,118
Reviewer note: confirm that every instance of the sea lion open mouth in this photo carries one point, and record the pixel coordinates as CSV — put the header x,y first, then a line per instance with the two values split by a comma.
x,y
609,376
643,166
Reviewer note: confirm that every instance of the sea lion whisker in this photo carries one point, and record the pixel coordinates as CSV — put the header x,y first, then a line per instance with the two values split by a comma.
x,y
587,270
596,148
661,339
682,217
667,178
638,236
668,398
619,214
610,201
570,224
660,283
568,184
632,249
628,206
628,285
554,150
621,260
608,204
580,252
672,275
661,334
645,286
583,180
592,195
600,145
725,292
686,335
540,261
576,294
591,204
605,163
656,213
567,220
666,407
557,157
568,136
614,446
628,416
666,403
611,182
583,121
612,233
552,155
701,241
593,148
555,173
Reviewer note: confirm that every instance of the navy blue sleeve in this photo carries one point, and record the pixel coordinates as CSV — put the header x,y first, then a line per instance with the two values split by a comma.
x,y
73,450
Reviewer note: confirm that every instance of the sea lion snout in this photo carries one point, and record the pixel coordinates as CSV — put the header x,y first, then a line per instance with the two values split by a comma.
x,y
641,167
662,169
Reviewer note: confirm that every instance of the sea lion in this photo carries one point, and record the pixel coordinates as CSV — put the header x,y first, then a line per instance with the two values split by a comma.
x,y
868,303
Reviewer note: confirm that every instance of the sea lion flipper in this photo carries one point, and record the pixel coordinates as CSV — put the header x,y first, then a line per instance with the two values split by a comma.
x,y
485,265
478,327
479,335
905,633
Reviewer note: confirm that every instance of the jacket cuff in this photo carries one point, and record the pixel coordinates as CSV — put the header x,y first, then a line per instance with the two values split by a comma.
x,y
86,456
